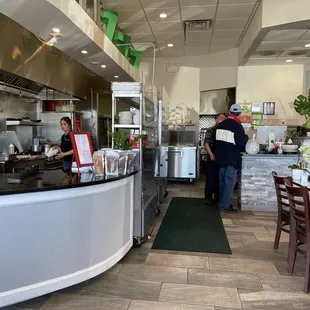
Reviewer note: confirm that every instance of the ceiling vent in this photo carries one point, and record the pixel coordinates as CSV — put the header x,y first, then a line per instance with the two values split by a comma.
x,y
194,25
298,53
267,53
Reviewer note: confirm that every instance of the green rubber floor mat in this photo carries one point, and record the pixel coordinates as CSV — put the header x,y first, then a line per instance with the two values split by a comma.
x,y
191,225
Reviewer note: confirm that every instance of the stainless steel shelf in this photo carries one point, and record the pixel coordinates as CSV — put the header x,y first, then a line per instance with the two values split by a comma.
x,y
23,123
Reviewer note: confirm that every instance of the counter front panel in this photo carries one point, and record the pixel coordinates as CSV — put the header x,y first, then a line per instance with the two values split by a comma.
x,y
53,239
257,190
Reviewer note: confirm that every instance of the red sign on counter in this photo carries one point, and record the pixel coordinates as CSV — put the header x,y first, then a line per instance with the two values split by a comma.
x,y
82,148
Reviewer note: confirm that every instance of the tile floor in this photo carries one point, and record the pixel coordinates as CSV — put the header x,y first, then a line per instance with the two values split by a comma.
x,y
253,277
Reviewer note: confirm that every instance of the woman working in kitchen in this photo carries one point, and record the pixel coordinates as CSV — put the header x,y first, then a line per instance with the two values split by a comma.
x,y
66,149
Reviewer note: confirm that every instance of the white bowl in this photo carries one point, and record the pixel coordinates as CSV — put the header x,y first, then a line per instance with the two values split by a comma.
x,y
289,147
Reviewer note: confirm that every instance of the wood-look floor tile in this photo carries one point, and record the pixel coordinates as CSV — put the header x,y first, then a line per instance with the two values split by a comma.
x,y
236,244
124,288
183,261
152,305
266,236
114,270
281,283
237,216
266,245
274,300
299,270
223,279
227,222
261,218
261,254
254,223
85,302
33,304
242,265
201,295
242,229
265,213
246,238
134,257
154,273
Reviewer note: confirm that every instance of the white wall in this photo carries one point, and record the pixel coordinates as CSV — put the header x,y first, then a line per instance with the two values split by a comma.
x,y
179,89
191,75
218,77
279,84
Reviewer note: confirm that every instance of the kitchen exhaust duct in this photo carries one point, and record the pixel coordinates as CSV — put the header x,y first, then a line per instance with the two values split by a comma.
x,y
14,81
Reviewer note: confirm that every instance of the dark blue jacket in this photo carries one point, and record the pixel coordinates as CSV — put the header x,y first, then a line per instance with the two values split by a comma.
x,y
230,139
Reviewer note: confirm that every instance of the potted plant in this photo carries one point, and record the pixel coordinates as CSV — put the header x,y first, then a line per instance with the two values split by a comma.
x,y
302,107
121,140
296,171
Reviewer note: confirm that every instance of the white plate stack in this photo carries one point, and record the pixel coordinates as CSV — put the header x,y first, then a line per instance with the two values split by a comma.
x,y
125,118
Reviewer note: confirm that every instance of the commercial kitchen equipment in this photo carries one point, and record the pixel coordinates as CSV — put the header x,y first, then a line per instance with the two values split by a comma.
x,y
163,156
163,173
147,180
216,101
183,162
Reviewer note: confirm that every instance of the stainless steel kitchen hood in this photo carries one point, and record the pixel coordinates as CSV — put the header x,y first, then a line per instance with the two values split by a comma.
x,y
19,83
29,65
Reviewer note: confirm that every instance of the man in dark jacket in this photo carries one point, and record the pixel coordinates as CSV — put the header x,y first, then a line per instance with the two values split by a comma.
x,y
212,171
230,139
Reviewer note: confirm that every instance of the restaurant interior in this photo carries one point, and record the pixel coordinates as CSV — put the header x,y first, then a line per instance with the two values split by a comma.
x,y
106,112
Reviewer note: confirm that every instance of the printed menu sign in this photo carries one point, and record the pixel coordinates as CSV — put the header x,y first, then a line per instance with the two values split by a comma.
x,y
82,148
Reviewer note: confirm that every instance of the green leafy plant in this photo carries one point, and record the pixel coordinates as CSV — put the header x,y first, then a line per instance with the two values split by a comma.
x,y
302,107
292,133
295,166
121,140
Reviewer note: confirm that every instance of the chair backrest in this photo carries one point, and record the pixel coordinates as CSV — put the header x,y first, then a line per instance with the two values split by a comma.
x,y
299,204
279,183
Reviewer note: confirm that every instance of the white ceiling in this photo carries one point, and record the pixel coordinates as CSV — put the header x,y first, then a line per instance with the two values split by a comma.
x,y
140,19
281,45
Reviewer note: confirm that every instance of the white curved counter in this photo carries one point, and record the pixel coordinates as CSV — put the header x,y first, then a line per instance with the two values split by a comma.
x,y
52,239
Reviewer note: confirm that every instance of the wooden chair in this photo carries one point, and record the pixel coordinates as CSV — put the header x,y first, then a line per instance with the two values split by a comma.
x,y
283,206
299,228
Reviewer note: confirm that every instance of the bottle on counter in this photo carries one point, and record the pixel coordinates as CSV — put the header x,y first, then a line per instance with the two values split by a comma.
x,y
11,148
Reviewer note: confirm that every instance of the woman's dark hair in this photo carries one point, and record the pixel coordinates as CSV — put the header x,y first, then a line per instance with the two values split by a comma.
x,y
67,120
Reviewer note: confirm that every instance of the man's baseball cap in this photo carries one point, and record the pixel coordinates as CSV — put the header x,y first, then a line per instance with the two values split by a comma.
x,y
235,108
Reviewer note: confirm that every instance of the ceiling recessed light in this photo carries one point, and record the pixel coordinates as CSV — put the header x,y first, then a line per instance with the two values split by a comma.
x,y
163,15
56,30
289,60
103,66
307,45
116,76
84,52
170,45
95,63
